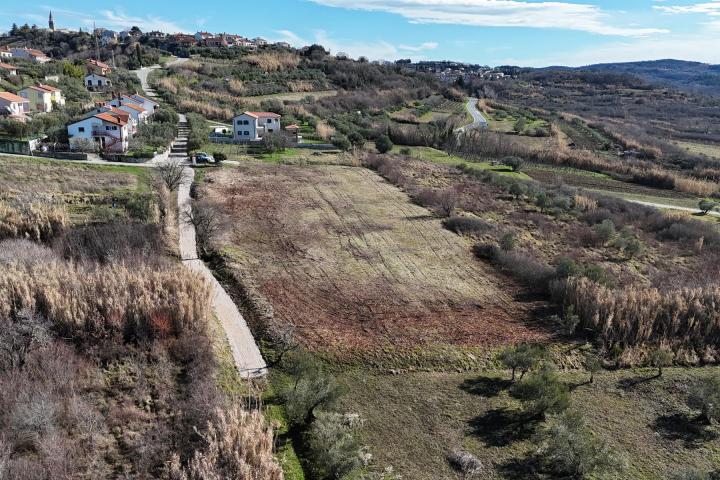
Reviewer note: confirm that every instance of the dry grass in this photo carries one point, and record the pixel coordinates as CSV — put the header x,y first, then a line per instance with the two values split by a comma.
x,y
347,258
413,421
274,61
239,446
35,221
145,300
324,131
683,318
205,108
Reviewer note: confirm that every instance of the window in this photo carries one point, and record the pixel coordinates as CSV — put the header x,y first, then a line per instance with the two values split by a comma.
x,y
246,122
247,133
239,132
270,130
269,120
239,122
107,127
81,129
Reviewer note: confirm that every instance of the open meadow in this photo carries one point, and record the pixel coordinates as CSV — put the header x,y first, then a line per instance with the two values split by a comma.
x,y
357,267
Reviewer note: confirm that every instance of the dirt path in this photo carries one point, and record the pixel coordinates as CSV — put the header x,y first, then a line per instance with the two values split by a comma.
x,y
245,351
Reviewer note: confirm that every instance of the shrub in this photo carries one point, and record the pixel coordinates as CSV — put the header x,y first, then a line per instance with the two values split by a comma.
x,y
466,225
705,397
567,267
383,144
522,357
605,231
542,392
341,142
508,242
659,358
334,450
592,364
274,142
565,446
706,206
356,139
515,163
219,156
313,389
405,151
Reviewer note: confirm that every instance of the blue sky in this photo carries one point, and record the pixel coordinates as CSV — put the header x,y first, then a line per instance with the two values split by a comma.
x,y
493,32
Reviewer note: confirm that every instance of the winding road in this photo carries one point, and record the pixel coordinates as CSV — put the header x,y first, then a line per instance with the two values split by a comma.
x,y
479,121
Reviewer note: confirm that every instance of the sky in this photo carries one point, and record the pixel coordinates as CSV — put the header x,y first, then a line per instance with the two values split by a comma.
x,y
488,32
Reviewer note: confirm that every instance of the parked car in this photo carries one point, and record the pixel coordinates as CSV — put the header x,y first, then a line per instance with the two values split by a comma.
x,y
202,157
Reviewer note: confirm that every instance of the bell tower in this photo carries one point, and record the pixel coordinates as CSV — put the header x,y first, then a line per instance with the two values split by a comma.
x,y
51,23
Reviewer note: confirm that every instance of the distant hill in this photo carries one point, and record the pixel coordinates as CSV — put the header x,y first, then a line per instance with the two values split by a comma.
x,y
689,76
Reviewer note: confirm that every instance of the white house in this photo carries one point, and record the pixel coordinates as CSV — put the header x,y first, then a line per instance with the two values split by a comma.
x,y
30,54
42,98
106,131
5,52
252,126
10,69
13,105
136,112
149,105
96,83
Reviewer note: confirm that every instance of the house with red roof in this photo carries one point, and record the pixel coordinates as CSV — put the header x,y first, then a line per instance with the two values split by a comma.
x,y
30,54
107,131
42,98
13,106
9,69
253,126
97,67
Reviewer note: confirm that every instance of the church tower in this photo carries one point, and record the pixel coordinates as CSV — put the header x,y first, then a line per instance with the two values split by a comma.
x,y
51,23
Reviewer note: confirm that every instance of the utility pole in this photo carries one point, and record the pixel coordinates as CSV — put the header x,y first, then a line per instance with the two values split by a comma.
x,y
97,48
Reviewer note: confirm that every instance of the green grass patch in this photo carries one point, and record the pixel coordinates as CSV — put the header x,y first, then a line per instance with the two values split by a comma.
x,y
434,155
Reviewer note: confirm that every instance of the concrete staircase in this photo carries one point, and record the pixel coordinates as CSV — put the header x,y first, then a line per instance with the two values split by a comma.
x,y
179,148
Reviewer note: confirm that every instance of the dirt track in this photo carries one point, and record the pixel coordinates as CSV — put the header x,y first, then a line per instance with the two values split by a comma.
x,y
346,257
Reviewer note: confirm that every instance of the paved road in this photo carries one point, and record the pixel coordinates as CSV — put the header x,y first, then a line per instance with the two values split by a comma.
x,y
672,207
245,351
478,120
143,73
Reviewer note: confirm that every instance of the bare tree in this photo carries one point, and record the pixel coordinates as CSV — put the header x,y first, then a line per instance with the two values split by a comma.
x,y
171,173
206,221
20,337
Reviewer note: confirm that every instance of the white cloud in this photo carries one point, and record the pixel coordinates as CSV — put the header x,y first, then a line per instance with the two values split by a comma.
x,y
118,19
709,8
499,13
377,50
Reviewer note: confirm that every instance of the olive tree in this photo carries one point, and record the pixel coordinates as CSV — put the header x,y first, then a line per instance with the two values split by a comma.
x,y
705,397
522,357
542,392
566,446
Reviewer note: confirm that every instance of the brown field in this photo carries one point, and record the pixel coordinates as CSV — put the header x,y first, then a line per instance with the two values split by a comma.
x,y
594,181
347,258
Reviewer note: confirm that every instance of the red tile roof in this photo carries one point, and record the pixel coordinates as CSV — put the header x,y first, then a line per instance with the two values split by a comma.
x,y
49,88
137,108
263,114
98,63
11,97
7,66
106,117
